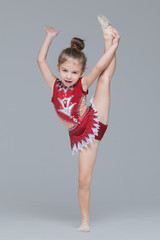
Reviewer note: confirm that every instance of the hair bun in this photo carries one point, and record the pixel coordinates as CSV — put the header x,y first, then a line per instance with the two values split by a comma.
x,y
77,43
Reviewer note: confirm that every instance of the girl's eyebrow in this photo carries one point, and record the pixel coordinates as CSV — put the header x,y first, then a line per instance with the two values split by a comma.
x,y
63,68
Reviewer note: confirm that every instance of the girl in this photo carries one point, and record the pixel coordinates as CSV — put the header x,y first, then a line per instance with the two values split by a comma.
x,y
86,124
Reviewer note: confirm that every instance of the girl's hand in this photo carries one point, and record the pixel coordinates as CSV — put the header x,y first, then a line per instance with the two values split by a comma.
x,y
51,31
115,41
116,37
112,32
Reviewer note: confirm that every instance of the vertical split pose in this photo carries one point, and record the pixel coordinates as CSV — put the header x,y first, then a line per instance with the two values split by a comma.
x,y
86,124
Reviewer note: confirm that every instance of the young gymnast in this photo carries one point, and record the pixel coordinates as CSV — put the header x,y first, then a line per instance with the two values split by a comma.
x,y
86,124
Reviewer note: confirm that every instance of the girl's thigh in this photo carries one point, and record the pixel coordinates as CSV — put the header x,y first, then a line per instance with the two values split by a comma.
x,y
101,99
87,159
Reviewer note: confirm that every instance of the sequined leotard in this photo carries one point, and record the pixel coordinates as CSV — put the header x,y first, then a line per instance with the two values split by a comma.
x,y
81,120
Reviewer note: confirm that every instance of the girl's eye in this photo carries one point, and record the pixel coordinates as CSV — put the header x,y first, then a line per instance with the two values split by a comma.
x,y
64,70
75,72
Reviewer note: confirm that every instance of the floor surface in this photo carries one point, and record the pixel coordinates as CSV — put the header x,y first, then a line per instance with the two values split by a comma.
x,y
129,224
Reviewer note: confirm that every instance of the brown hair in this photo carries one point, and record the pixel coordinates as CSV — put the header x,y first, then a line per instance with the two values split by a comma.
x,y
74,51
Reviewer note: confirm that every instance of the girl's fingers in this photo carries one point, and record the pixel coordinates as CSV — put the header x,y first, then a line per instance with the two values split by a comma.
x,y
117,33
51,31
58,31
113,34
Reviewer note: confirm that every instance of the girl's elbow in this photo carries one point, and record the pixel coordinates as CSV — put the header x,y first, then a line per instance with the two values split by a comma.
x,y
98,68
40,60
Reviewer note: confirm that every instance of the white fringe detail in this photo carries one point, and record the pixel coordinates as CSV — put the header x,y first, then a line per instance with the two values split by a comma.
x,y
91,137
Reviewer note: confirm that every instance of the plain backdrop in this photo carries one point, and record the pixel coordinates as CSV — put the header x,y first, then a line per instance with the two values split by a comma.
x,y
38,174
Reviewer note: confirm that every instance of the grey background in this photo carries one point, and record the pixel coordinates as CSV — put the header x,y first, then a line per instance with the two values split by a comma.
x,y
38,174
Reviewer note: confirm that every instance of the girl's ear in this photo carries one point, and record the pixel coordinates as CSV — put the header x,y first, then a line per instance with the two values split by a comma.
x,y
58,67
83,71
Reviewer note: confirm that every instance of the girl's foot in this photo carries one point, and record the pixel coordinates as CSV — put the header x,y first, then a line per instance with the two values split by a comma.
x,y
109,33
84,227
105,25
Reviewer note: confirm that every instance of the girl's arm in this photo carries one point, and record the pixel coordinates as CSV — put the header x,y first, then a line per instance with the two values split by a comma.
x,y
102,64
41,57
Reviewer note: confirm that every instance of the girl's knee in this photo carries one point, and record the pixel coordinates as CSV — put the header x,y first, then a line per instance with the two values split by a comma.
x,y
84,181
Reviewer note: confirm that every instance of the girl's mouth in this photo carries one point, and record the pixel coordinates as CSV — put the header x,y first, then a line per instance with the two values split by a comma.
x,y
68,81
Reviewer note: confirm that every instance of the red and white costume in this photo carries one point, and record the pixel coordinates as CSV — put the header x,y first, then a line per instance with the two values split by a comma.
x,y
81,120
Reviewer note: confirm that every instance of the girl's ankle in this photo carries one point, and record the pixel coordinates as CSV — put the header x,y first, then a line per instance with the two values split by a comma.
x,y
85,221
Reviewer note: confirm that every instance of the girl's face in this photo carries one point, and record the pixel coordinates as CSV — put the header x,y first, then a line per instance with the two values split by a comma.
x,y
70,71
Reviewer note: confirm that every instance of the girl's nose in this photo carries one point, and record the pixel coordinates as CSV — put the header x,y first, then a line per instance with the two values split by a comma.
x,y
69,75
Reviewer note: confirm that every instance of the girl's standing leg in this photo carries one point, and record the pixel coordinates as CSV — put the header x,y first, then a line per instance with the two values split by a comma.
x,y
87,160
101,97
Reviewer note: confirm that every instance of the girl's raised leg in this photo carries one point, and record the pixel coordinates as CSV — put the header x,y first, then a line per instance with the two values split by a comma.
x,y
87,158
101,97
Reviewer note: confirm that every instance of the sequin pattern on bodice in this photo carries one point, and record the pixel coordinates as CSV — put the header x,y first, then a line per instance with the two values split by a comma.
x,y
70,103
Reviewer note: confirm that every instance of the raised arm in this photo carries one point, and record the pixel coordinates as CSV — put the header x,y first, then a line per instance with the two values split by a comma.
x,y
41,57
102,64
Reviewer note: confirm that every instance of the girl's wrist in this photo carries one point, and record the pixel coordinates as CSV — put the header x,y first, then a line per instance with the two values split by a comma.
x,y
48,36
115,46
